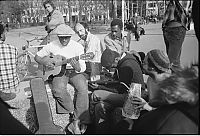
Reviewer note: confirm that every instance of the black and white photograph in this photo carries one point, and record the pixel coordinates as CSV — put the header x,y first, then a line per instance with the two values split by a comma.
x,y
99,67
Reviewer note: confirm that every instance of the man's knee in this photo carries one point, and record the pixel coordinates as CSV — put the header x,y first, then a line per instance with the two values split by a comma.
x,y
95,96
59,89
79,82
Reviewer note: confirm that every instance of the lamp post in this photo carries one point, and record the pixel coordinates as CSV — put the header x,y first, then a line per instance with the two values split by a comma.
x,y
123,14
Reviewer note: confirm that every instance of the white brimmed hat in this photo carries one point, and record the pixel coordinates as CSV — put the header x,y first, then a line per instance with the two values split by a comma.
x,y
63,30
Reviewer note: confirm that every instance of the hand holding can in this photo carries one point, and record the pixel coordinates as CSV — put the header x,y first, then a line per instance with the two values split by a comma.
x,y
130,108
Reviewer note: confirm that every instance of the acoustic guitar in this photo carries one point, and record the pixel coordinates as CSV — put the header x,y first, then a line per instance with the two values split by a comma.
x,y
58,62
42,108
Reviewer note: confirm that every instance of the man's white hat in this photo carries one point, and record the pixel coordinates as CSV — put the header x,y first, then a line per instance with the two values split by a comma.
x,y
63,30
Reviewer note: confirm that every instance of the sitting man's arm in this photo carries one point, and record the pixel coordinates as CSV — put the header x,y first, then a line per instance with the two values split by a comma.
x,y
42,56
43,61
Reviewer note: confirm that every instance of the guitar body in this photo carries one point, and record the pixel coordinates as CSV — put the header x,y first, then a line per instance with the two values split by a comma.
x,y
49,71
43,110
58,62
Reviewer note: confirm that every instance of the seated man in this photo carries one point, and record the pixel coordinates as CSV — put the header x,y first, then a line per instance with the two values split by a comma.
x,y
156,65
117,40
9,80
67,48
128,71
180,112
91,43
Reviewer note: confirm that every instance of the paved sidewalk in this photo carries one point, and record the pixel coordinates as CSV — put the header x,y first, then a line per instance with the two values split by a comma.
x,y
25,111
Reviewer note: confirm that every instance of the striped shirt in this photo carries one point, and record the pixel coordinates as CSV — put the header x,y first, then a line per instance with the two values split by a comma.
x,y
8,60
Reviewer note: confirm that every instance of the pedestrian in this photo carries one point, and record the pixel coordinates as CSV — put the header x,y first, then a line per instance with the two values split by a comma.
x,y
72,73
107,100
131,28
91,43
174,26
9,80
117,40
7,27
54,18
180,113
195,17
137,31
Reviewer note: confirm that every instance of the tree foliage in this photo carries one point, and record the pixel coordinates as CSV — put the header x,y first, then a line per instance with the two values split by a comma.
x,y
13,9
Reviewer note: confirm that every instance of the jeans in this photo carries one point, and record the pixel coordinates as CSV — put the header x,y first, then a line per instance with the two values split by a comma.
x,y
174,37
93,70
107,102
64,101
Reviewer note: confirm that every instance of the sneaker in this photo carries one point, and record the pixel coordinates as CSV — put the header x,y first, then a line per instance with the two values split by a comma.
x,y
73,127
7,96
71,117
83,128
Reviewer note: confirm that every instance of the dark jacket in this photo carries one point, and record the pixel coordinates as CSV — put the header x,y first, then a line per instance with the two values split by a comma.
x,y
180,118
9,125
129,71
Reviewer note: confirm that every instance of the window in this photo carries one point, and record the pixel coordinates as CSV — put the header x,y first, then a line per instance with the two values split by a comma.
x,y
151,5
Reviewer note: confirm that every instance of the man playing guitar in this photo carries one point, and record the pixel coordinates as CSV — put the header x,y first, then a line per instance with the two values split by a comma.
x,y
67,48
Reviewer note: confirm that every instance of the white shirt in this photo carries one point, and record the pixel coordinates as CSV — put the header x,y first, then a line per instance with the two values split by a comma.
x,y
72,49
93,44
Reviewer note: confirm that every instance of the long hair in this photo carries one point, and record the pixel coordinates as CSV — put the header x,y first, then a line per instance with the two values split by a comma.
x,y
182,86
49,2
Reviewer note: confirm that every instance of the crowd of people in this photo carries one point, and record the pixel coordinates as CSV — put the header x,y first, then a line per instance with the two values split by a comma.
x,y
169,101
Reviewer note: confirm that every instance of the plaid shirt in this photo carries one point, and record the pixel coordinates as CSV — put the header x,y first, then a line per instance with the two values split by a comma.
x,y
8,75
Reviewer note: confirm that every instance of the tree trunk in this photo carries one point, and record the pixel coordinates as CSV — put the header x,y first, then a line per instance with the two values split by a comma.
x,y
114,2
158,5
80,10
70,13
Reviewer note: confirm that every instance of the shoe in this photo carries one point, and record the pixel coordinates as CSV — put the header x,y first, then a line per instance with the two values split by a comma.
x,y
71,117
83,128
7,96
73,127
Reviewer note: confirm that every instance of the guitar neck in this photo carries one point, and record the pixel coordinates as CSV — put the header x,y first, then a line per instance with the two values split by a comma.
x,y
69,60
